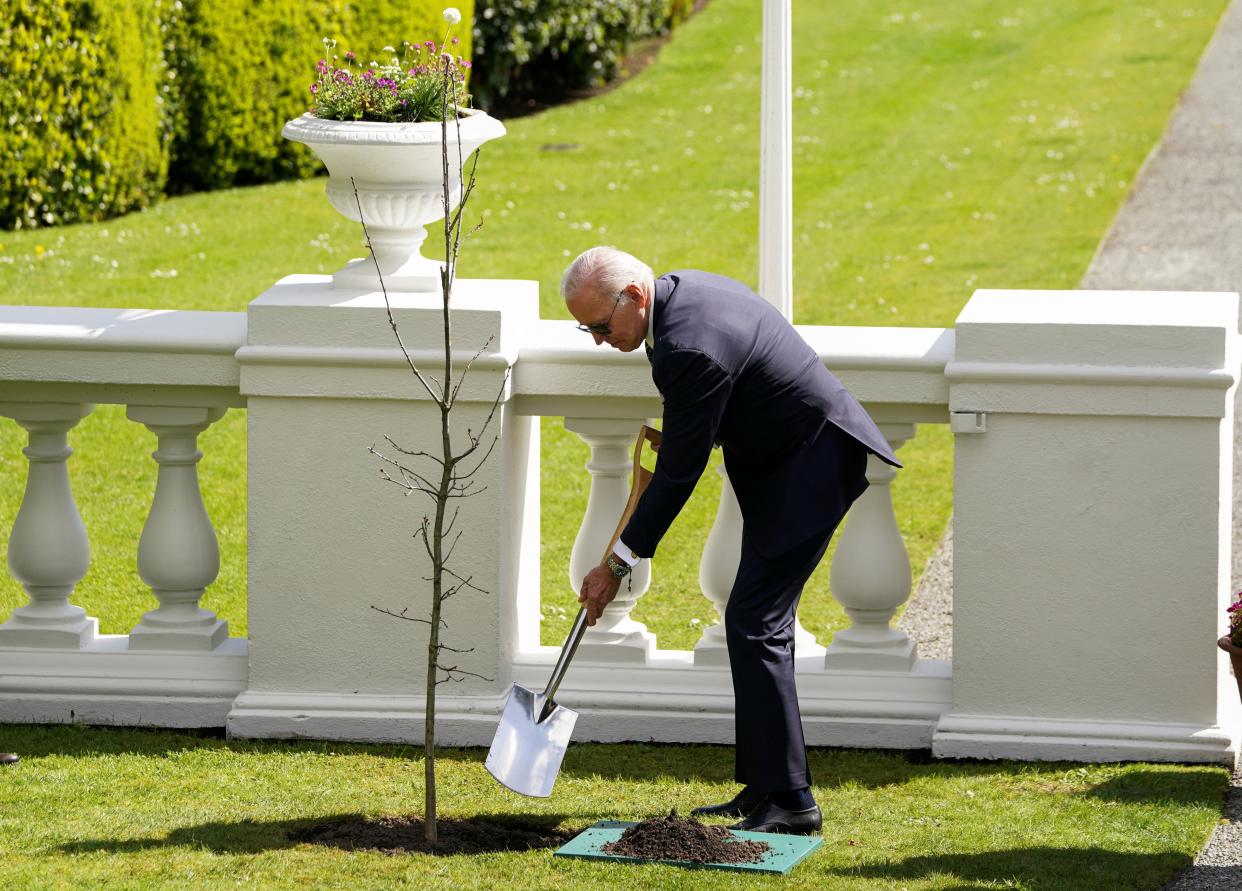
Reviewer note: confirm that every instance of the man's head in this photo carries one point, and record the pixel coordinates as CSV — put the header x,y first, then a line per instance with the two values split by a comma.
x,y
609,292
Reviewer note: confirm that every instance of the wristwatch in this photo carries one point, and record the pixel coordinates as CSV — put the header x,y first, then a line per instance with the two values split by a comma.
x,y
619,568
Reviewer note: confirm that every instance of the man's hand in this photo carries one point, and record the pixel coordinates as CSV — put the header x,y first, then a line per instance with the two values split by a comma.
x,y
598,589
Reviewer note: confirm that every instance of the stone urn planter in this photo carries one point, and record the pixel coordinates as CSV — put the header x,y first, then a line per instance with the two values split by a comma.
x,y
398,171
1235,656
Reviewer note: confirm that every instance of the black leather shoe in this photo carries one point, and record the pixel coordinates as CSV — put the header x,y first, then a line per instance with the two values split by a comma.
x,y
774,818
8,758
741,805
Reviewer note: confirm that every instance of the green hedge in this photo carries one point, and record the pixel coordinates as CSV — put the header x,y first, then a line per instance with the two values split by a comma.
x,y
81,135
104,104
541,50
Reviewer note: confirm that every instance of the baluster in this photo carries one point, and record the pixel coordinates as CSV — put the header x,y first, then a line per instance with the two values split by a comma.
x,y
718,570
615,637
871,574
48,549
177,553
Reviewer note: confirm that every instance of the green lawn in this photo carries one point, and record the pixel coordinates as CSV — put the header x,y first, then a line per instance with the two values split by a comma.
x,y
938,150
152,809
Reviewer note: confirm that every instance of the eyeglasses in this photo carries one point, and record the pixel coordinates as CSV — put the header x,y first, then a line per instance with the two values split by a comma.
x,y
604,328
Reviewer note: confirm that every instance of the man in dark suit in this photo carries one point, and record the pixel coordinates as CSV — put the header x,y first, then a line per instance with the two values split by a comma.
x,y
734,372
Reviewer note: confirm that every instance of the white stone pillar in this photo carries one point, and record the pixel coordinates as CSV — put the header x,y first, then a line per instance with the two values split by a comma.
x,y
329,538
177,554
48,549
1092,526
615,637
722,554
870,574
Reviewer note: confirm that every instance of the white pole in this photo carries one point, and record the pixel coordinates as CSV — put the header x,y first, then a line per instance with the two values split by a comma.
x,y
776,159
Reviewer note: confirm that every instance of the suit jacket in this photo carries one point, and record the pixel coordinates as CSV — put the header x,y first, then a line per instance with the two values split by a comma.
x,y
733,371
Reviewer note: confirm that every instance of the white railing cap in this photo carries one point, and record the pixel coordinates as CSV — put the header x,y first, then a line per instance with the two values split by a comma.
x,y
131,330
77,354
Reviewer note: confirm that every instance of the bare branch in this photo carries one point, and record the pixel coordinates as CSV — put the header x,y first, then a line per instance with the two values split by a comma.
x,y
425,531
450,670
452,521
481,462
400,615
465,581
475,439
411,453
448,555
468,494
454,649
466,369
407,473
392,322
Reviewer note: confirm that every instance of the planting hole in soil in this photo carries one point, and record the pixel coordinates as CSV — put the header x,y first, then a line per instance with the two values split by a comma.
x,y
676,838
404,835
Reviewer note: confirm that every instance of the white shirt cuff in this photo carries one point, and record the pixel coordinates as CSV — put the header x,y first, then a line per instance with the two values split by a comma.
x,y
626,553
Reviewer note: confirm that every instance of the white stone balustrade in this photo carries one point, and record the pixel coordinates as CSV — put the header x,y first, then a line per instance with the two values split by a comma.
x,y
722,553
48,548
870,574
1079,416
54,362
615,637
177,554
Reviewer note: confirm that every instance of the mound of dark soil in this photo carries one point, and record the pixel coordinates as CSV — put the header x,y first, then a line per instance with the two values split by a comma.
x,y
675,838
404,835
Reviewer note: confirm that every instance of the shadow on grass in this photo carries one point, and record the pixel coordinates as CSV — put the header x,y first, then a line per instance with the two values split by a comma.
x,y
33,741
1034,869
1155,787
507,832
630,762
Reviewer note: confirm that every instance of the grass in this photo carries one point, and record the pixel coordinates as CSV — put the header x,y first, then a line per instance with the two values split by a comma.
x,y
145,809
938,150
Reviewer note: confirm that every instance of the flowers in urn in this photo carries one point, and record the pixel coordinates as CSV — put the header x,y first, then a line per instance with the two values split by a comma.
x,y
380,129
1235,620
415,83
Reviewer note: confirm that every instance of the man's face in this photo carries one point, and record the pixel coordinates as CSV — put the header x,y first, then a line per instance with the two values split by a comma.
x,y
622,316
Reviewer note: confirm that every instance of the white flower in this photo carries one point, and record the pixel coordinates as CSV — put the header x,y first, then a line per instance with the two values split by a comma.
x,y
452,15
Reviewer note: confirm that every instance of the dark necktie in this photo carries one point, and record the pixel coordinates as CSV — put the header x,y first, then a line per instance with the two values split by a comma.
x,y
647,347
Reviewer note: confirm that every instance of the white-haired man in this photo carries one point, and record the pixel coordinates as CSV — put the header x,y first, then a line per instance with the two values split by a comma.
x,y
734,372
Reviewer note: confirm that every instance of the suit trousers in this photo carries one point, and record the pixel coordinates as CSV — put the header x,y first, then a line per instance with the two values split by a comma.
x,y
759,623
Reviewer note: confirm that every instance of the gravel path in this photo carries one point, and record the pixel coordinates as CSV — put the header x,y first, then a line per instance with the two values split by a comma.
x,y
1180,230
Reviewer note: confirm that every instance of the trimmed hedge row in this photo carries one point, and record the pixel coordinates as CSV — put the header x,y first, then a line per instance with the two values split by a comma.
x,y
104,104
542,50
81,136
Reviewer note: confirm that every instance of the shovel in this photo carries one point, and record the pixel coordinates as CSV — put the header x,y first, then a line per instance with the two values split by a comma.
x,y
534,731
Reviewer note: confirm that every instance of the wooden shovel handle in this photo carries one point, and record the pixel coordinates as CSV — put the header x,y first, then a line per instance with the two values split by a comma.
x,y
642,479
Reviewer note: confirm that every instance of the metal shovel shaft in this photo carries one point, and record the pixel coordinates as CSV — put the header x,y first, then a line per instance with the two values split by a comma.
x,y
534,731
562,663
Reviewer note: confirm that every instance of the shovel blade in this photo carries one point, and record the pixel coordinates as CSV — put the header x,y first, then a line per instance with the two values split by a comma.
x,y
526,752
